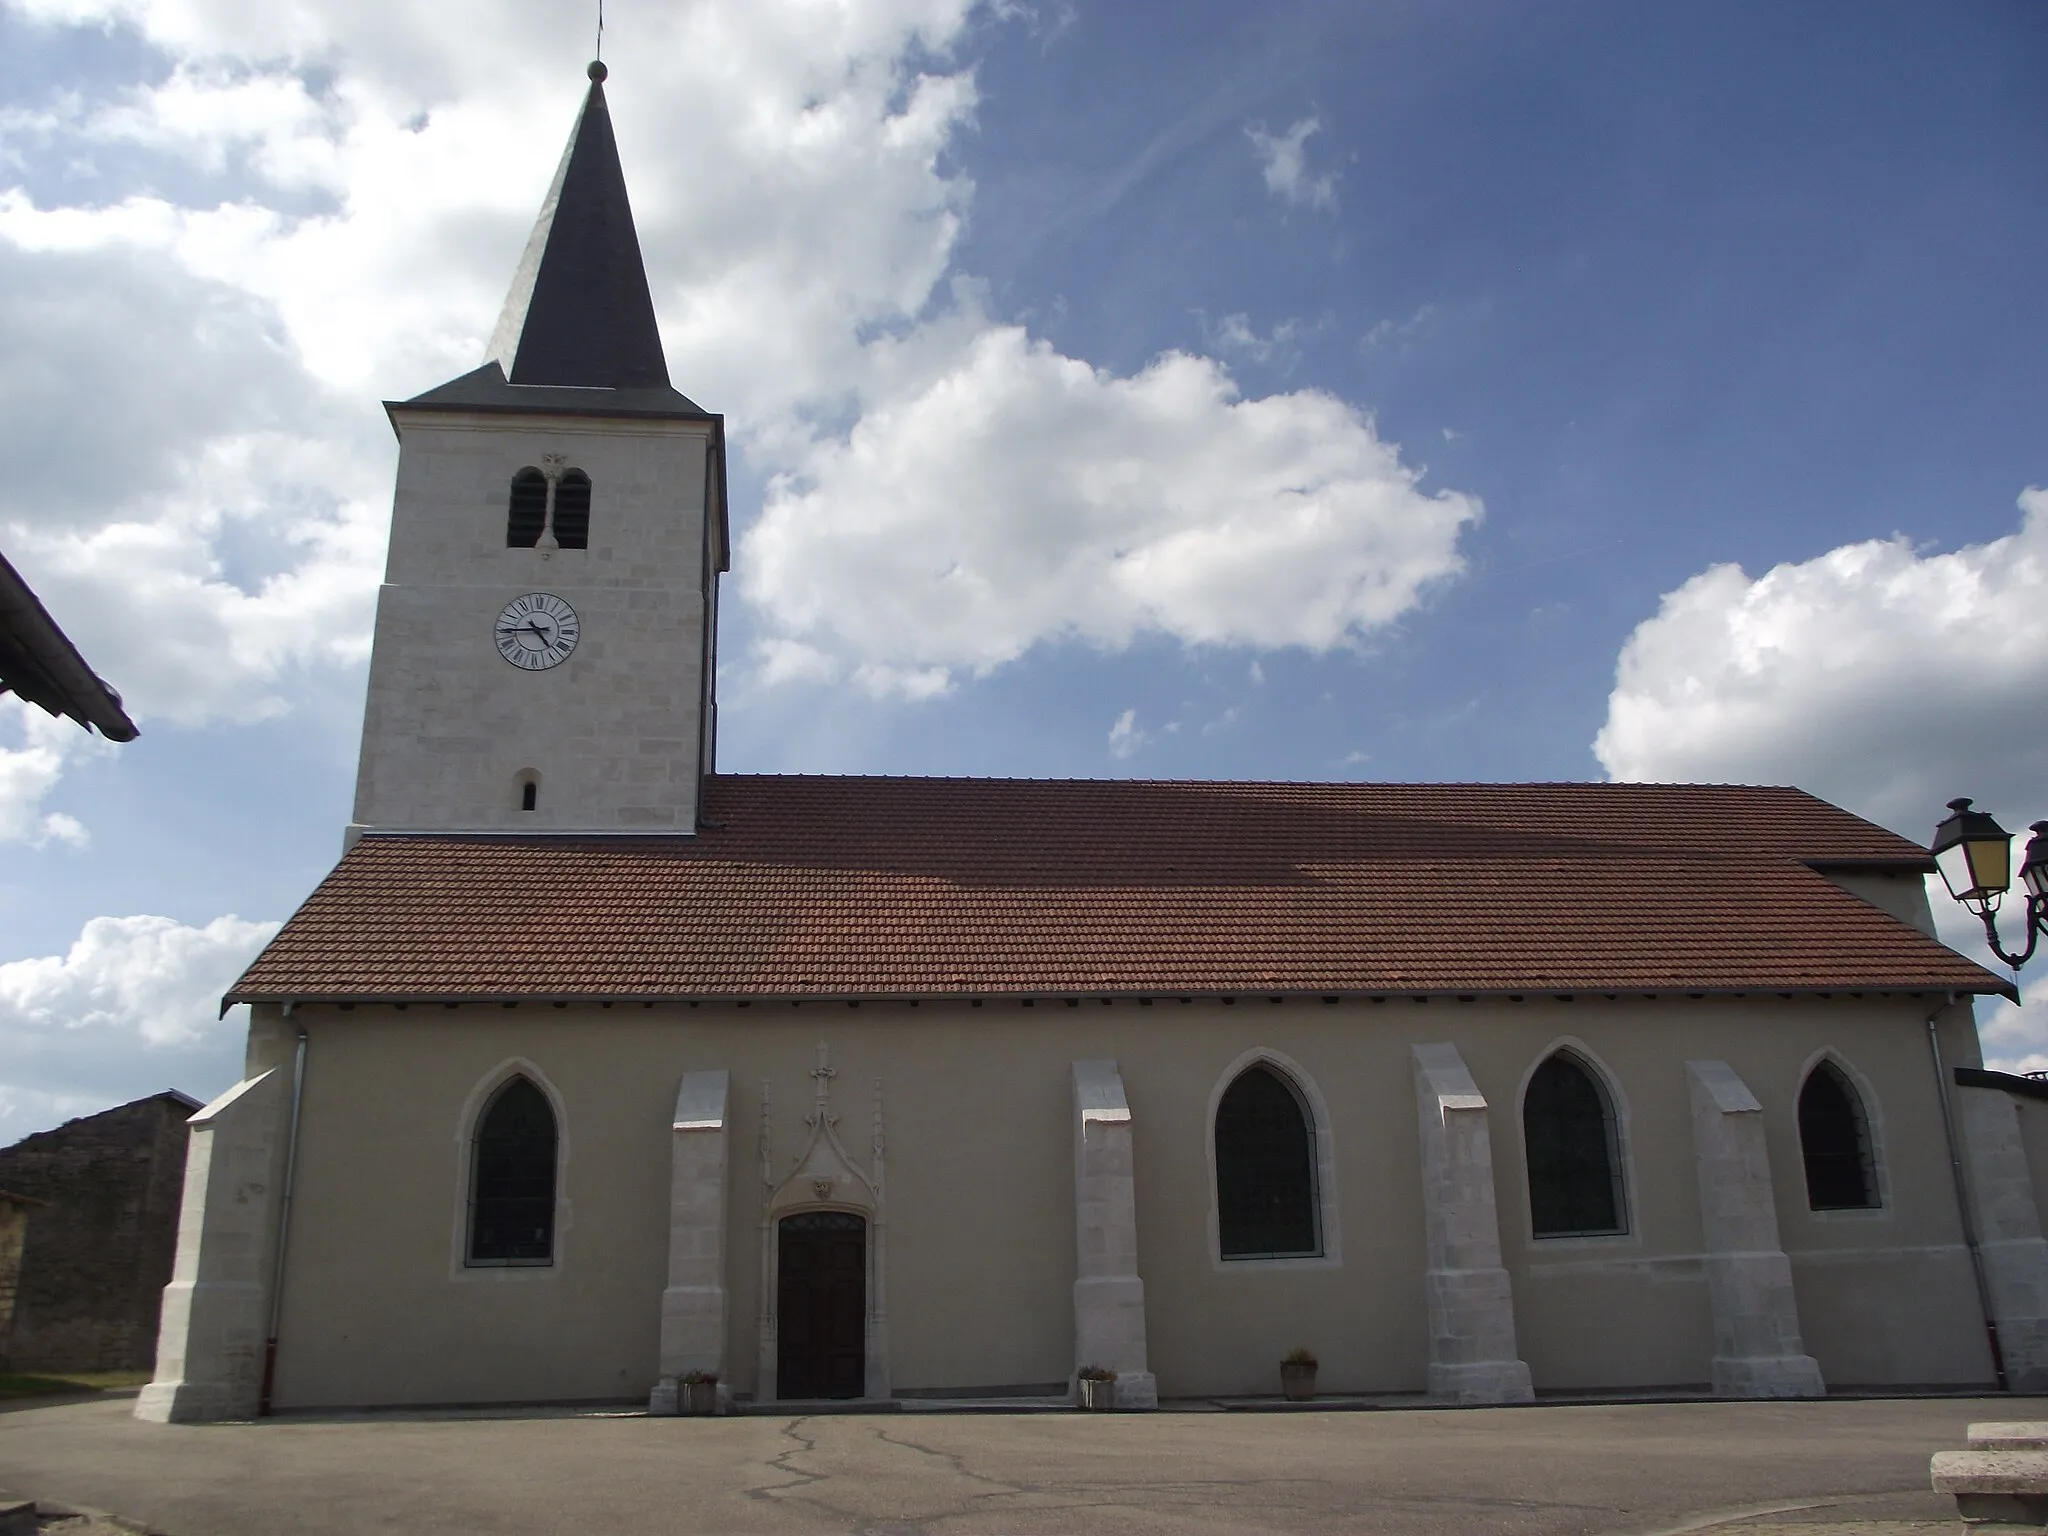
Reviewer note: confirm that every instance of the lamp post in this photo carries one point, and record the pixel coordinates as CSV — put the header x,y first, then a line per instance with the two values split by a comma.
x,y
1974,854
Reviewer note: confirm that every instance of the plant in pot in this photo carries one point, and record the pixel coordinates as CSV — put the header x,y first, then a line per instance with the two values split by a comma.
x,y
697,1392
1298,1375
1098,1388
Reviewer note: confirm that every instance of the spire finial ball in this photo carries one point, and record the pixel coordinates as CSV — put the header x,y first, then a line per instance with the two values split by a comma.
x,y
597,71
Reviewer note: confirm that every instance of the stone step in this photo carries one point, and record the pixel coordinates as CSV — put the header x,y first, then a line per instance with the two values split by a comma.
x,y
2010,1435
1995,1490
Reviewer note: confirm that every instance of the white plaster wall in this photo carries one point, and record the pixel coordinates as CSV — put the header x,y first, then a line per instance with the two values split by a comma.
x,y
981,1259
613,731
1884,1296
2033,1120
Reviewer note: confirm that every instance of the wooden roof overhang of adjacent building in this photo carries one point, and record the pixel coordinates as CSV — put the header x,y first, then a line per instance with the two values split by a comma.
x,y
898,888
39,662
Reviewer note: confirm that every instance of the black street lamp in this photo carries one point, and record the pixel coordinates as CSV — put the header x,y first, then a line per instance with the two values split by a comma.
x,y
1974,854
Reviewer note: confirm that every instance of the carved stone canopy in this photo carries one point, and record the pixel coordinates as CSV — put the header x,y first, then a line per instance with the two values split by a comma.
x,y
824,1171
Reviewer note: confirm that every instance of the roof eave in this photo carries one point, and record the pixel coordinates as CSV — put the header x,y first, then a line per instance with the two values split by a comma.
x,y
63,684
1547,991
596,410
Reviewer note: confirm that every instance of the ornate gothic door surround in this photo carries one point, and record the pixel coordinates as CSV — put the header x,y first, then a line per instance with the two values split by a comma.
x,y
824,1319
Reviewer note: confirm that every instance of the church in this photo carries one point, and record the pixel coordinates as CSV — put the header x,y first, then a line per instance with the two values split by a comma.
x,y
592,1071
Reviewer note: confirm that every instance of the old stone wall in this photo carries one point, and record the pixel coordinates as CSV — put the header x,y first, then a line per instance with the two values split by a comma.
x,y
13,1229
98,1254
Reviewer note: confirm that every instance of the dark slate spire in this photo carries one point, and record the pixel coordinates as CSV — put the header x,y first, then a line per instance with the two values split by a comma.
x,y
579,312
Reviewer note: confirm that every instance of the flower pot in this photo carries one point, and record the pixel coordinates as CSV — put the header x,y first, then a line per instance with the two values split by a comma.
x,y
1298,1382
697,1397
1098,1396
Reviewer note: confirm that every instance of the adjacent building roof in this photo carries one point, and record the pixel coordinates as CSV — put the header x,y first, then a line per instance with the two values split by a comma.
x,y
41,664
888,887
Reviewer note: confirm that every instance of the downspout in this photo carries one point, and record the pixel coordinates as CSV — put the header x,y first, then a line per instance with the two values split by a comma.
x,y
1955,1164
707,696
284,1219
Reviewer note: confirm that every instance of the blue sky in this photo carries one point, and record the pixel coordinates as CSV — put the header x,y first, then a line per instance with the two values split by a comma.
x,y
1449,391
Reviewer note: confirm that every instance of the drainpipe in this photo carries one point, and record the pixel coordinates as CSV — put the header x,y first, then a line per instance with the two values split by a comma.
x,y
284,1219
707,693
1955,1164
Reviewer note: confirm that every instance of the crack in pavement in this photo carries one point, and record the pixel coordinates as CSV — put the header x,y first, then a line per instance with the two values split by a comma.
x,y
803,1488
1710,1521
767,1492
956,1461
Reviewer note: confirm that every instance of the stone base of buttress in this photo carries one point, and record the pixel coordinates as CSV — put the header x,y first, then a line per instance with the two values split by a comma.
x,y
1769,1376
1484,1381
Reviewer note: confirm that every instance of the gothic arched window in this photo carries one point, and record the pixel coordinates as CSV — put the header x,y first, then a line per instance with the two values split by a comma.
x,y
527,514
512,1179
572,510
1573,1154
1834,1138
1265,1170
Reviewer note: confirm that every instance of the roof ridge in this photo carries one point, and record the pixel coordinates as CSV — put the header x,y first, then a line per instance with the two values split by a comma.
x,y
1575,784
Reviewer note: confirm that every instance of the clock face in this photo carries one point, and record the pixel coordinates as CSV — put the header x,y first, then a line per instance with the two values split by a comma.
x,y
537,631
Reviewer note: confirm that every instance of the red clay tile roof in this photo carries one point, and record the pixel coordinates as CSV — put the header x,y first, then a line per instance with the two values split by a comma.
x,y
804,887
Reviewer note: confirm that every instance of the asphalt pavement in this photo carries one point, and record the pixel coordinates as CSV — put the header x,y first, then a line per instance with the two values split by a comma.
x,y
1644,1469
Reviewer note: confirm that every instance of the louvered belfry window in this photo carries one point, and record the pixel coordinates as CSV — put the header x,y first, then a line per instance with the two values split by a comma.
x,y
572,510
1265,1170
1574,1159
512,1187
1834,1138
527,514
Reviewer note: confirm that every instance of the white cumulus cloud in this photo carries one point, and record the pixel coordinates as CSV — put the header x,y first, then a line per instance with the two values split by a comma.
x,y
1881,677
1283,161
310,207
363,186
1125,736
1011,496
30,769
131,1008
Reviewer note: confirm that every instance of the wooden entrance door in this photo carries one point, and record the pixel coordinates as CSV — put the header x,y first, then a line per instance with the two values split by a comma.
x,y
821,1305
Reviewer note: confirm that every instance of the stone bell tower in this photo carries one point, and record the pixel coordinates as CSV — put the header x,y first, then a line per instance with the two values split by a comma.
x,y
543,659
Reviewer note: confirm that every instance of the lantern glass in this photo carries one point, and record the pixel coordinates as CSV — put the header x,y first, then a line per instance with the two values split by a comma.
x,y
2034,872
1973,853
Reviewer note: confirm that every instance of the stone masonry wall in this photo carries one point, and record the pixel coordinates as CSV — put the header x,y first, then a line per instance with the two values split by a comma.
x,y
13,1229
98,1255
